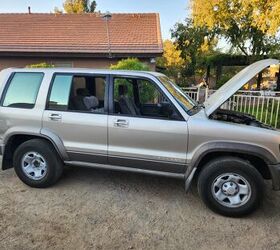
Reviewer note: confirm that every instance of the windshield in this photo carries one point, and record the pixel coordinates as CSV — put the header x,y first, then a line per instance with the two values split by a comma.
x,y
186,102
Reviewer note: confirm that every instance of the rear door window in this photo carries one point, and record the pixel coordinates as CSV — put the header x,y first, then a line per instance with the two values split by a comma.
x,y
78,93
59,97
22,90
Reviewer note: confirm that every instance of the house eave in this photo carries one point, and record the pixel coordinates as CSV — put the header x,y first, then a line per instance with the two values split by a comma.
x,y
124,54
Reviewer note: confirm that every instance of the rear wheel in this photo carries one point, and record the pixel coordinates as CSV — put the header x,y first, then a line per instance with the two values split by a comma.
x,y
37,163
231,186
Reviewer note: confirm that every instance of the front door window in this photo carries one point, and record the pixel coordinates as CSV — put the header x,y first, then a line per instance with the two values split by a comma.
x,y
142,98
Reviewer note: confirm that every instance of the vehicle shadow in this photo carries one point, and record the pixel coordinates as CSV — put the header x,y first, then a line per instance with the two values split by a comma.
x,y
120,179
125,182
167,189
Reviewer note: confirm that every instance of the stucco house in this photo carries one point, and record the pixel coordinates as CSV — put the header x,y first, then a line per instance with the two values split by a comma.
x,y
78,40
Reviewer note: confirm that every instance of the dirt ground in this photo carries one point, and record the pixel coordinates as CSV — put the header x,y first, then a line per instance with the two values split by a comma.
x,y
93,209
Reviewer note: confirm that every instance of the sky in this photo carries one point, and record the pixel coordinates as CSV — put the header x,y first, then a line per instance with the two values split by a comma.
x,y
170,11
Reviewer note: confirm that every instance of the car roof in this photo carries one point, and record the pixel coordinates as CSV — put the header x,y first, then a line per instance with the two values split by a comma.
x,y
88,70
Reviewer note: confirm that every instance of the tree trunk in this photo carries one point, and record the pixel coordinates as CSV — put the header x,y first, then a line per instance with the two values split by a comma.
x,y
218,73
259,81
207,75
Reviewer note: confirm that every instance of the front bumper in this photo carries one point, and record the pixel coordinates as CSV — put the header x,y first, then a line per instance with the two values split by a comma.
x,y
275,175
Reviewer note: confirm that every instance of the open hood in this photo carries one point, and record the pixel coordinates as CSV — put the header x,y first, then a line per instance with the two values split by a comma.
x,y
235,83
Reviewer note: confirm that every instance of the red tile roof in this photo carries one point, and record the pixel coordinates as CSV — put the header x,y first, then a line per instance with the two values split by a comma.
x,y
80,33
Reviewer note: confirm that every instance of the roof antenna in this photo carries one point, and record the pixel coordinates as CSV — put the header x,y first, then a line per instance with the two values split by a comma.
x,y
107,17
29,10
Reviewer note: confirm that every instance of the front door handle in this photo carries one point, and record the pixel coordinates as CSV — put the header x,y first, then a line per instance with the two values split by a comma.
x,y
121,123
55,117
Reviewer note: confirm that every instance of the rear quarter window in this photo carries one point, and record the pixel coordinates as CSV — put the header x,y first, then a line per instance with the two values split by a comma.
x,y
22,90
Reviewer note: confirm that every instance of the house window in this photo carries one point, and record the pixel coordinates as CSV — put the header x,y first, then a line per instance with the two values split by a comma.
x,y
62,64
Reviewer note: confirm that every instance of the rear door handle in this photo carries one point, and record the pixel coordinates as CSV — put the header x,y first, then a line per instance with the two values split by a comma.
x,y
121,123
55,117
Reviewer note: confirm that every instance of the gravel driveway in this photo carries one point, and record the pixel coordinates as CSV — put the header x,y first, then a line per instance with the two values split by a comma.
x,y
93,209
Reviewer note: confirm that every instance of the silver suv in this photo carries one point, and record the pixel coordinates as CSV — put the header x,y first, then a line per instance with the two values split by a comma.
x,y
139,122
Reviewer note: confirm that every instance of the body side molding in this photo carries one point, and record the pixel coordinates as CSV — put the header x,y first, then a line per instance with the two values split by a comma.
x,y
125,169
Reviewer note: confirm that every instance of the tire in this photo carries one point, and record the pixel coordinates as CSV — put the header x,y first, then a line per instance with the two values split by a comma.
x,y
37,163
231,186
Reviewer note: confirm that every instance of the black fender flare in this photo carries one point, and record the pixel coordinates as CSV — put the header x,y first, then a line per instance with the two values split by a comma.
x,y
230,147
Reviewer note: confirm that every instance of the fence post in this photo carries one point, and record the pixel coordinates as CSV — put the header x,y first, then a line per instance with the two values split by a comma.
x,y
206,93
198,93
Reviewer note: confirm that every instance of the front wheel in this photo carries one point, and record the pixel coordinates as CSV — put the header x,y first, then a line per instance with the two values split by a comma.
x,y
231,186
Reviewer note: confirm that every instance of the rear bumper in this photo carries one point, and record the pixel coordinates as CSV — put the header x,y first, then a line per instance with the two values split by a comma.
x,y
275,175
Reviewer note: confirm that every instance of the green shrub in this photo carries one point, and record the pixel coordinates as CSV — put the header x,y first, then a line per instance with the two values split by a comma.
x,y
40,65
147,90
130,64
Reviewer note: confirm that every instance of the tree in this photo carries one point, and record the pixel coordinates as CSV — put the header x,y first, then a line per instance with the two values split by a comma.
x,y
77,6
250,26
194,42
172,60
92,6
172,55
266,15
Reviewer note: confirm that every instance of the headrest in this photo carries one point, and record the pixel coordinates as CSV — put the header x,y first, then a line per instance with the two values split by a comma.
x,y
91,102
122,90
